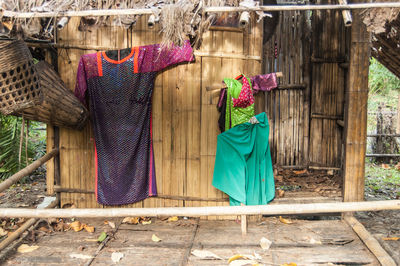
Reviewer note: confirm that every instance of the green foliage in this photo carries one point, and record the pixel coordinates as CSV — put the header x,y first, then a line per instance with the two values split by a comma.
x,y
381,80
10,130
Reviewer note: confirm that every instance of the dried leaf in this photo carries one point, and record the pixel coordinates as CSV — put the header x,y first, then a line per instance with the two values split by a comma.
x,y
80,256
130,220
300,172
390,238
281,193
155,238
289,264
116,256
76,226
265,243
385,166
88,228
285,221
397,166
24,248
173,219
205,255
235,257
146,222
102,237
44,229
3,232
111,224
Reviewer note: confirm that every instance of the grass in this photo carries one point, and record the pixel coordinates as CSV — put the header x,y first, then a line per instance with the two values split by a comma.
x,y
381,182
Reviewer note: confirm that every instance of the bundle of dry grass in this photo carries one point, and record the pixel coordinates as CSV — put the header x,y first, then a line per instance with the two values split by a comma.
x,y
178,18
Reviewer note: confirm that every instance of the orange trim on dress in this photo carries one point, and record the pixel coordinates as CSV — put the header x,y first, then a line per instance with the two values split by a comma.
x,y
117,61
99,66
135,60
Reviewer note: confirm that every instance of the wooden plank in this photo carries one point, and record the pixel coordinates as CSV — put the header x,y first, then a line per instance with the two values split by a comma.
x,y
356,112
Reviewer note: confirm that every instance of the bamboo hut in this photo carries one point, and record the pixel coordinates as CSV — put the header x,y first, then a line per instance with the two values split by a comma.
x,y
317,114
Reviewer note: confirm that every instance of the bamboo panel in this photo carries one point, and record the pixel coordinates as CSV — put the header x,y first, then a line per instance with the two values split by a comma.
x,y
184,115
285,108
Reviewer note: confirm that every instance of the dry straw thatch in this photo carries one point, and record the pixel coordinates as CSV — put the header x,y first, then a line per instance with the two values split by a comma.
x,y
178,19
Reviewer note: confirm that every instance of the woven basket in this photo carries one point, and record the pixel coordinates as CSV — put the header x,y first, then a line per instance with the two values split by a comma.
x,y
19,81
60,107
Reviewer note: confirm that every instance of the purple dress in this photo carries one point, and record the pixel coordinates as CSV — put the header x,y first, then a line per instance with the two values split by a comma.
x,y
119,94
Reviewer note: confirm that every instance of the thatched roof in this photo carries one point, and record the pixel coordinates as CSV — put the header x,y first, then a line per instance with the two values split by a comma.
x,y
386,46
178,19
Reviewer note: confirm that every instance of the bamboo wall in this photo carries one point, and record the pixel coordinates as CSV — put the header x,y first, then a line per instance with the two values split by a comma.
x,y
303,112
184,114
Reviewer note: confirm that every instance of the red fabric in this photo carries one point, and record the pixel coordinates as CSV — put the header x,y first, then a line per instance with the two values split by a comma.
x,y
246,97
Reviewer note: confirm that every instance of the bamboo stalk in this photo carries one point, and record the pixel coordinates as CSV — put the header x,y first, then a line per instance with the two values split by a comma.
x,y
382,155
324,168
148,11
281,209
372,244
347,19
24,227
27,170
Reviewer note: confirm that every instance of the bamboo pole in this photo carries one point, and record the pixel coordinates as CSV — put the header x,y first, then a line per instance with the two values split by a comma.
x,y
27,170
372,244
382,155
148,11
281,209
24,227
347,19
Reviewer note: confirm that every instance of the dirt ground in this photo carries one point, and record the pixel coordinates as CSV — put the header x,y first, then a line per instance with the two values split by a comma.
x,y
383,225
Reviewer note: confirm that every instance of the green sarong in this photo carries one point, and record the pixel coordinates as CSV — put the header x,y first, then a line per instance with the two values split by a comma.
x,y
243,166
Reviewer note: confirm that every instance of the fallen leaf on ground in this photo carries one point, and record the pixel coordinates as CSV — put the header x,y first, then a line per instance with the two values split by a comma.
x,y
265,243
279,178
111,224
397,166
329,172
88,228
300,172
76,226
390,238
385,166
205,255
44,229
24,248
2,194
102,237
146,222
281,193
3,232
155,238
285,221
80,256
235,257
289,264
116,256
130,220
173,219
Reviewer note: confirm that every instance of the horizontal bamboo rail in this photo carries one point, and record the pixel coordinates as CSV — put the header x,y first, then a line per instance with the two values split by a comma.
x,y
27,170
383,135
281,209
148,11
24,227
372,244
382,155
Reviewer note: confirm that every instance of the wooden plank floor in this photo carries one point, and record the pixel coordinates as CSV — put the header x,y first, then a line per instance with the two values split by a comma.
x,y
324,242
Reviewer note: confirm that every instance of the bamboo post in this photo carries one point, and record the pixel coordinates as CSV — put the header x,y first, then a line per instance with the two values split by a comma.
x,y
27,170
279,209
243,223
14,235
244,19
152,21
356,97
372,244
348,20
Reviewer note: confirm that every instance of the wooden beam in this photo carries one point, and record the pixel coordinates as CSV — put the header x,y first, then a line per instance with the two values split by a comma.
x,y
280,209
356,97
27,170
372,244
148,11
